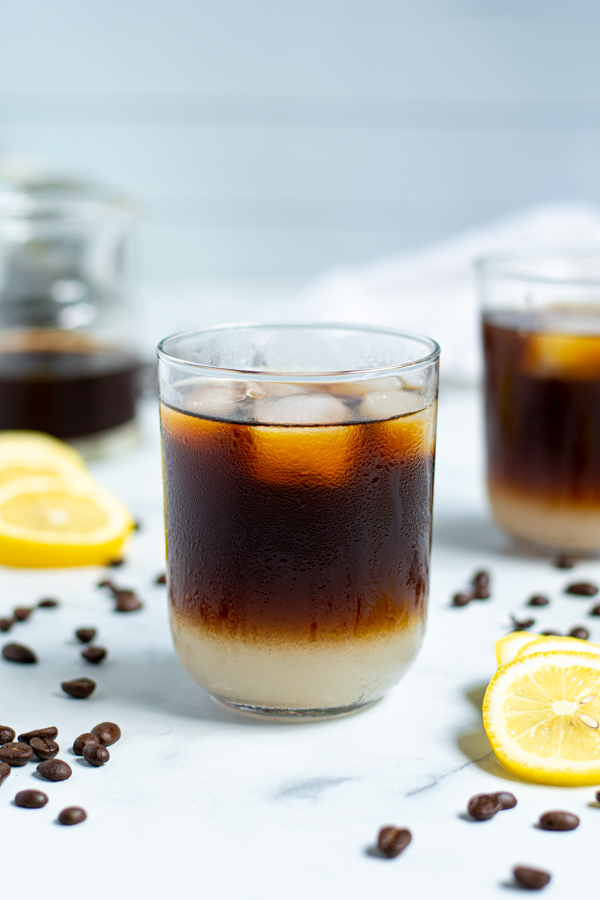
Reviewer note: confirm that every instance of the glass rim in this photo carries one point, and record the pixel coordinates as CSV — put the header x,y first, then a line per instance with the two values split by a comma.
x,y
293,375
498,264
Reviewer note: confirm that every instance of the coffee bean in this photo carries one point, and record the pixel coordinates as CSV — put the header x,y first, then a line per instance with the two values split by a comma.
x,y
48,603
55,770
534,879
565,562
16,753
522,624
107,733
582,589
82,740
481,594
557,820
21,613
96,754
481,585
44,748
598,796
484,806
127,601
72,815
116,563
579,632
507,800
85,635
551,633
50,732
392,841
18,653
6,624
538,600
107,583
31,799
5,771
94,654
462,599
79,687
7,734
594,611
161,579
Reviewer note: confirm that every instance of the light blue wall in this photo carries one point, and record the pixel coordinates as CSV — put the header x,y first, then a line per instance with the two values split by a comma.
x,y
276,137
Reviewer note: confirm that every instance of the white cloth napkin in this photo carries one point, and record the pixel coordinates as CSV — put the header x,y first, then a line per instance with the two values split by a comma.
x,y
432,289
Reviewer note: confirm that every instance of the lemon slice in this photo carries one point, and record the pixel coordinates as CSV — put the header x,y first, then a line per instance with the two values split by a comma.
x,y
508,646
36,442
27,461
542,717
48,522
557,643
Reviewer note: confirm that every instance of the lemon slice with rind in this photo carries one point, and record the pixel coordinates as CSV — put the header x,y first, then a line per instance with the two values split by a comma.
x,y
557,643
508,646
37,442
542,717
27,461
50,522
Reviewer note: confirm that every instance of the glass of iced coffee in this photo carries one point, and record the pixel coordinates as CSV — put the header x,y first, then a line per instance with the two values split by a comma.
x,y
298,472
541,334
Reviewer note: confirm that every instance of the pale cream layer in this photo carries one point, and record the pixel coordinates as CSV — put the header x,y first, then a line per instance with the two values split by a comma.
x,y
562,526
296,676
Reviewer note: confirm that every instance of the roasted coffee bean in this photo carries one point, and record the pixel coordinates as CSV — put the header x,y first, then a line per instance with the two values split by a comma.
x,y
392,841
55,770
31,799
594,611
481,585
507,800
484,806
82,740
107,583
18,653
79,687
565,562
48,603
462,599
16,753
522,624
96,754
538,600
557,820
72,815
7,734
127,601
551,633
21,613
44,748
534,879
94,654
107,733
116,563
161,579
598,796
50,732
481,594
6,624
582,589
4,772
85,635
579,632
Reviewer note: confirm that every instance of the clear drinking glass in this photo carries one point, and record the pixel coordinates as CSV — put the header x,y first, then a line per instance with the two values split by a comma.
x,y
298,472
541,334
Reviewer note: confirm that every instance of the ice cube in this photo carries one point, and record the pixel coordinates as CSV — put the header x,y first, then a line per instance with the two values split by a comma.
x,y
382,405
301,409
257,390
360,388
216,398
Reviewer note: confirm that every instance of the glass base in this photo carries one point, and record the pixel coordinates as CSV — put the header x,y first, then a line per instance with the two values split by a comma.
x,y
294,715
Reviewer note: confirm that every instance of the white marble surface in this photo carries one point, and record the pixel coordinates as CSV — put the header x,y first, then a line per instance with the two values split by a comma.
x,y
198,802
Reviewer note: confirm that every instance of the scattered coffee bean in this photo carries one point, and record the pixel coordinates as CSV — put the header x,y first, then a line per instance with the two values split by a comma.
x,y
31,799
538,600
127,601
94,654
50,732
462,599
598,796
6,624
481,585
534,879
7,734
55,770
115,563
95,754
161,579
565,562
582,589
107,733
507,800
44,748
79,687
82,740
18,653
557,820
72,815
392,841
551,633
5,771
85,635
579,632
594,611
484,806
521,624
48,603
107,583
21,613
16,753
